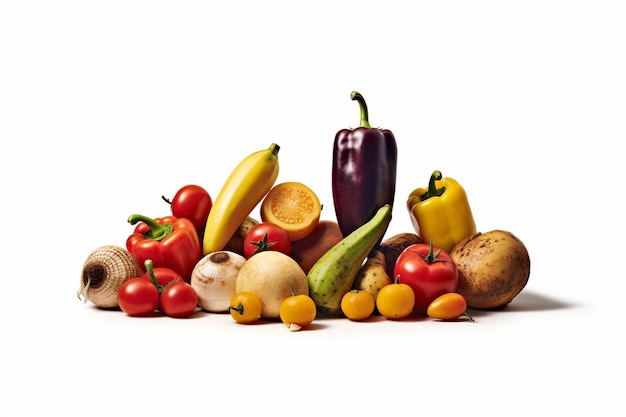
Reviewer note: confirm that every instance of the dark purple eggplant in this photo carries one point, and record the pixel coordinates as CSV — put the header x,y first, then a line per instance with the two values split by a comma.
x,y
363,171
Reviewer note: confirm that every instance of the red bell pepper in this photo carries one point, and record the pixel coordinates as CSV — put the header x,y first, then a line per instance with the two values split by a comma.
x,y
170,242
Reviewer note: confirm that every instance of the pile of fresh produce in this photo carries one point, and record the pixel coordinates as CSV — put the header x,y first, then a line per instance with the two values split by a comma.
x,y
291,267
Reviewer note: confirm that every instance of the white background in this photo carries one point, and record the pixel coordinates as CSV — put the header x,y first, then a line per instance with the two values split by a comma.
x,y
106,106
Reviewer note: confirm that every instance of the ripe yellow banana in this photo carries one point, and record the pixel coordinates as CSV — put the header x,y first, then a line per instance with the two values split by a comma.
x,y
334,273
246,186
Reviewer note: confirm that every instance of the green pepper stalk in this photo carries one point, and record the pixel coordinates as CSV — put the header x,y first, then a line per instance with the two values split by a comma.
x,y
433,191
158,231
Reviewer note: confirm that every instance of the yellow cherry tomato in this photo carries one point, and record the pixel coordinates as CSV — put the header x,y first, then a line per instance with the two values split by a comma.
x,y
357,305
297,311
245,307
395,301
449,306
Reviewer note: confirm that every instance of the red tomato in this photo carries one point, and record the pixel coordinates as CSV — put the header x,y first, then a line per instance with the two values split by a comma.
x,y
163,275
138,297
179,299
194,203
266,236
429,271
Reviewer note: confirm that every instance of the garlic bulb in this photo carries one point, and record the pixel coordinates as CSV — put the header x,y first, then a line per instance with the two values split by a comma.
x,y
214,278
104,272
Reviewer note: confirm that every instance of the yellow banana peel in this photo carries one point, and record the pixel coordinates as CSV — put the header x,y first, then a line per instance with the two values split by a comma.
x,y
246,186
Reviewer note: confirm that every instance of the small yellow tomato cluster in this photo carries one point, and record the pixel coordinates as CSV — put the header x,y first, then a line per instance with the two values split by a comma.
x,y
296,311
396,301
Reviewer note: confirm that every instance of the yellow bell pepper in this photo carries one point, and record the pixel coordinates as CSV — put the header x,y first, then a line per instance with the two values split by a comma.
x,y
441,213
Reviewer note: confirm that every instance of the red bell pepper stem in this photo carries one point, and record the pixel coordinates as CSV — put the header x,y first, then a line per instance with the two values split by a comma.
x,y
157,231
363,106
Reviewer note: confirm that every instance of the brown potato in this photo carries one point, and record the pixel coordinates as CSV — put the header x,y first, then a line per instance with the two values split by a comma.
x,y
235,244
393,247
493,268
310,249
372,276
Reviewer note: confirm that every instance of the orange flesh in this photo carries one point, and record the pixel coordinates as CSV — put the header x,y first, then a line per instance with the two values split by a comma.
x,y
294,207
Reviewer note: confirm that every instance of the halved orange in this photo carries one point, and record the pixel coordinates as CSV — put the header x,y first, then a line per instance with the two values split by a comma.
x,y
294,207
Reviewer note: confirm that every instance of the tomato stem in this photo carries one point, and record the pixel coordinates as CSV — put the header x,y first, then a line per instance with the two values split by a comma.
x,y
238,309
262,245
467,316
432,256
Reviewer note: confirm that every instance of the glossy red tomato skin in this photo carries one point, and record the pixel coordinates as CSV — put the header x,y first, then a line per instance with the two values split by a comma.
x,y
164,275
194,203
138,297
429,280
275,234
179,299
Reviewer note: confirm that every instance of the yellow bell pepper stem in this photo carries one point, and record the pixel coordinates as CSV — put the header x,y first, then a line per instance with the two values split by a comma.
x,y
433,191
441,213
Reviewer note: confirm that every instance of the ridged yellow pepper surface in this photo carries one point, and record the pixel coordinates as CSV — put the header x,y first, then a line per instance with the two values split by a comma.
x,y
441,212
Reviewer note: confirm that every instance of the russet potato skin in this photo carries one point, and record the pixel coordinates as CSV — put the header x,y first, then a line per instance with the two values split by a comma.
x,y
235,244
393,246
493,268
373,276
